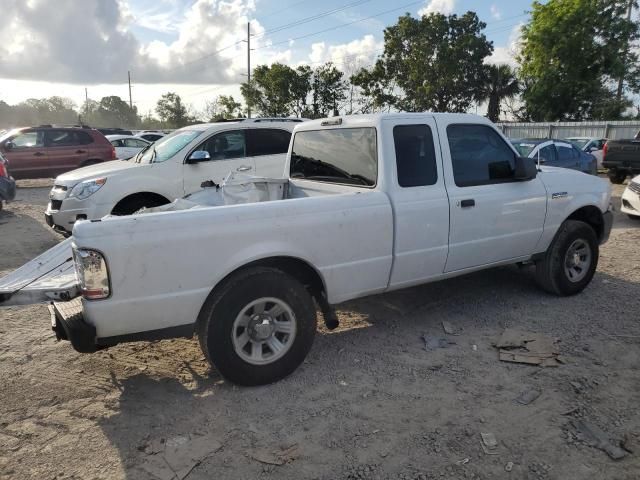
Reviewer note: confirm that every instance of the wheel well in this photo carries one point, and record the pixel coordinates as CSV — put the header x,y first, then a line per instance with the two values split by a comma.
x,y
155,199
297,268
592,216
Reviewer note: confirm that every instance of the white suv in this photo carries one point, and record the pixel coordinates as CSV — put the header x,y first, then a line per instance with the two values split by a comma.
x,y
174,166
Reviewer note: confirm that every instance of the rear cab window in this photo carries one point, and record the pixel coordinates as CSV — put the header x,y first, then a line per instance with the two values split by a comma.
x,y
346,156
415,155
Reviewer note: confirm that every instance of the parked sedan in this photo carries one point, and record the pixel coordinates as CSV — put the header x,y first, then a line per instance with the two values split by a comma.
x,y
556,153
631,199
127,146
592,145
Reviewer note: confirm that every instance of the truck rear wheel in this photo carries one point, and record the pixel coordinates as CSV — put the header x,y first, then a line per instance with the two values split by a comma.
x,y
259,327
570,262
617,176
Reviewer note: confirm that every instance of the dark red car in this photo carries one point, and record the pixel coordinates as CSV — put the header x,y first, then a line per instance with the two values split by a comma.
x,y
48,151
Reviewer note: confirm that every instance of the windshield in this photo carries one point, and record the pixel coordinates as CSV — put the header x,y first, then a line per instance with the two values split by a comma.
x,y
579,142
524,149
168,146
341,155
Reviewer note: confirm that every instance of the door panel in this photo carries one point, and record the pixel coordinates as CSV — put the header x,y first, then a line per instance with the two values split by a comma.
x,y
28,158
64,150
228,154
268,147
419,197
493,218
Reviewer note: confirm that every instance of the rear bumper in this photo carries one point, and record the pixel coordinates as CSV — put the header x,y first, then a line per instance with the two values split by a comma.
x,y
7,189
68,323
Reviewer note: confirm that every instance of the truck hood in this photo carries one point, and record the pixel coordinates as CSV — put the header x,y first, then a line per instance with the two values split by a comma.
x,y
94,171
571,183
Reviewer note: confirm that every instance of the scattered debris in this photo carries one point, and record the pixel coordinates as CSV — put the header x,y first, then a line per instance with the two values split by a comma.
x,y
342,383
449,329
489,443
528,396
526,347
509,466
474,347
594,437
280,457
570,411
464,461
577,387
629,443
433,343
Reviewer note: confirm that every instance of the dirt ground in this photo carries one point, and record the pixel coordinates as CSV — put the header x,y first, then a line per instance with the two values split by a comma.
x,y
369,403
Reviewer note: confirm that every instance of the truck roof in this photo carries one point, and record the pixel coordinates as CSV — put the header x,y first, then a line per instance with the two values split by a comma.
x,y
374,119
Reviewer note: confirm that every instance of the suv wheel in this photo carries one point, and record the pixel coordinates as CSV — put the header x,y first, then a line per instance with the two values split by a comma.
x,y
570,262
617,177
259,327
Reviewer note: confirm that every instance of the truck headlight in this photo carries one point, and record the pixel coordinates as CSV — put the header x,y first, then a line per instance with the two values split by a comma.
x,y
87,188
92,272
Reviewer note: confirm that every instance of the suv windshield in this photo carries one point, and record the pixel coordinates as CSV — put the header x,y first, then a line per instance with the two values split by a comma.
x,y
340,155
168,146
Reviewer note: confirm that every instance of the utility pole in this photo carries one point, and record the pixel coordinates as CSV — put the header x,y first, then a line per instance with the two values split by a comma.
x,y
86,96
130,99
248,65
626,52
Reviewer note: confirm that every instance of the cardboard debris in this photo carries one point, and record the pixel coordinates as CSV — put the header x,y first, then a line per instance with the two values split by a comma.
x,y
593,436
489,443
450,329
528,396
527,347
433,343
278,458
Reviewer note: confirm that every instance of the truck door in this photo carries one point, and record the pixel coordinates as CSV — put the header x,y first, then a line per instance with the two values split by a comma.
x,y
419,199
494,218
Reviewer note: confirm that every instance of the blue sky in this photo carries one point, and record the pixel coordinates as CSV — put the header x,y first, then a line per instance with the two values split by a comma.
x,y
193,47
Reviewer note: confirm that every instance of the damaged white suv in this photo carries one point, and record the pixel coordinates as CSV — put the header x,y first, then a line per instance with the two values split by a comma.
x,y
373,203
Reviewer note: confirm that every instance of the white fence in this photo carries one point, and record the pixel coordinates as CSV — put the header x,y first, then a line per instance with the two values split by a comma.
x,y
611,130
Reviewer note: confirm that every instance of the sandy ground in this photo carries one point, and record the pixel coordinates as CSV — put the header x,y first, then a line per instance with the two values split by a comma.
x,y
369,403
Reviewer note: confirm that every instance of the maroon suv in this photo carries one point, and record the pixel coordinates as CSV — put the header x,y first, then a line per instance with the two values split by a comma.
x,y
46,152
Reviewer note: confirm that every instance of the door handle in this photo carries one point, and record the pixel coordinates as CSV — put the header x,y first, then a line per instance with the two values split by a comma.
x,y
243,168
470,202
81,151
38,154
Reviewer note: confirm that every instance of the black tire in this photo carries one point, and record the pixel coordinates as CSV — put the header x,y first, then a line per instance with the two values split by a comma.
x,y
617,177
551,274
216,324
135,203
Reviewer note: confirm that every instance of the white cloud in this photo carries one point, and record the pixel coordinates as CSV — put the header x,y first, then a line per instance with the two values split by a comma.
x,y
348,56
445,7
507,54
89,42
496,14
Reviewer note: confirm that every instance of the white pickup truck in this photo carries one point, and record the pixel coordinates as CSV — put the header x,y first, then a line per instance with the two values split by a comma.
x,y
373,203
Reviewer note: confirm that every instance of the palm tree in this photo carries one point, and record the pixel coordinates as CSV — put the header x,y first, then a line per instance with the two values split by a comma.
x,y
501,83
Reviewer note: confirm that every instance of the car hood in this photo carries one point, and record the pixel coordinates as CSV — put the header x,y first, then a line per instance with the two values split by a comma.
x,y
95,171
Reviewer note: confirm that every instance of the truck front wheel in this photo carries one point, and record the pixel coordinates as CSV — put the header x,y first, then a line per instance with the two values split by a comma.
x,y
570,262
258,327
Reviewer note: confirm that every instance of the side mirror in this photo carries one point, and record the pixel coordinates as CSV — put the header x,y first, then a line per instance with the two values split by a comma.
x,y
9,146
525,169
197,157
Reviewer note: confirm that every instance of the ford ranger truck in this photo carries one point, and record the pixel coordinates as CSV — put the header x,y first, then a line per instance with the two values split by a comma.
x,y
372,203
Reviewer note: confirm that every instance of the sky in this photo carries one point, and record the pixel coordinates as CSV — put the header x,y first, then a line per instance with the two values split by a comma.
x,y
197,48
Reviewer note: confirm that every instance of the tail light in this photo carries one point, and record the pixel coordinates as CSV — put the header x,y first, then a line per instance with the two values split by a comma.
x,y
92,272
604,150
3,170
113,153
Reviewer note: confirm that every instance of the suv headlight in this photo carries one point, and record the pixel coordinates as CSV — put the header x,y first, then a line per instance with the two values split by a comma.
x,y
93,274
87,188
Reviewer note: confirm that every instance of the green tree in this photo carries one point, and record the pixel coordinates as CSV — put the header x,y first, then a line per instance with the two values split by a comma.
x,y
270,90
172,111
329,90
222,107
573,52
501,84
431,63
